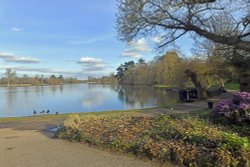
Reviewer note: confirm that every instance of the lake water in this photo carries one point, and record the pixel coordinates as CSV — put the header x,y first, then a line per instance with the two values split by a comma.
x,y
22,101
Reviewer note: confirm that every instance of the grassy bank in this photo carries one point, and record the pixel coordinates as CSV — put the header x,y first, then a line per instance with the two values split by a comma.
x,y
64,116
46,117
182,139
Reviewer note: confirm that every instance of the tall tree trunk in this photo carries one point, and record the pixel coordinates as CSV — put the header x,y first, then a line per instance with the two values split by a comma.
x,y
222,83
202,94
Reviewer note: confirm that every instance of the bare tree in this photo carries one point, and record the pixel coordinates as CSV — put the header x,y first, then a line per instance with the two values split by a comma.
x,y
172,19
10,75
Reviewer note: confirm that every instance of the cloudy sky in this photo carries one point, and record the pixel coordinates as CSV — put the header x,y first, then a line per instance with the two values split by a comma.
x,y
69,37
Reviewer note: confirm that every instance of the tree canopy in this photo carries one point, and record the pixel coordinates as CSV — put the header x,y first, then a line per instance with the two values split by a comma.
x,y
171,20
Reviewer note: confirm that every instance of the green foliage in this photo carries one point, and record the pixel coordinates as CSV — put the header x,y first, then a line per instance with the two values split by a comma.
x,y
189,141
232,86
233,142
162,86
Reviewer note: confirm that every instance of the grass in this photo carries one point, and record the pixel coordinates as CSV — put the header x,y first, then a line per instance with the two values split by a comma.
x,y
182,139
61,116
232,86
34,118
162,86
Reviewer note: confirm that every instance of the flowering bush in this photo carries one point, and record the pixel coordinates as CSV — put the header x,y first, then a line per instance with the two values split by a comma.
x,y
236,110
241,97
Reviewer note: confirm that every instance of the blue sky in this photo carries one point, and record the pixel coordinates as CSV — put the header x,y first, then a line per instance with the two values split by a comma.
x,y
73,38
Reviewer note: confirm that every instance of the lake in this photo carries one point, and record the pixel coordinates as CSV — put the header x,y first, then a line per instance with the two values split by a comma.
x,y
22,101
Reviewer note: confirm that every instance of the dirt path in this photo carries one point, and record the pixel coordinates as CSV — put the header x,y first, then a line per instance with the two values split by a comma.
x,y
30,148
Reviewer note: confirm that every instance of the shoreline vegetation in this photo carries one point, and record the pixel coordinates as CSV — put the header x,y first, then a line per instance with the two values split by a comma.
x,y
11,79
30,85
228,86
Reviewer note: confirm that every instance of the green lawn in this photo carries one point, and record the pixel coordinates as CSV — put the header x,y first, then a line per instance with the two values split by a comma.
x,y
232,86
162,86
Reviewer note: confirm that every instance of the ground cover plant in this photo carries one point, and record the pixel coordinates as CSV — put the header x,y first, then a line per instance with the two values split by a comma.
x,y
185,141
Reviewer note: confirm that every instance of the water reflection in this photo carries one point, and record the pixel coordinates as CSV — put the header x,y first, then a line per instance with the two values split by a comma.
x,y
142,96
22,101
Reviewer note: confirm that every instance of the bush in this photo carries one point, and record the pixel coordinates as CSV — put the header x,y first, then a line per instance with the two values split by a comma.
x,y
234,111
182,141
73,121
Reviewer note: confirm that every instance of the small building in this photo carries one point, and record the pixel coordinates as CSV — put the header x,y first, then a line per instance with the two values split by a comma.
x,y
188,95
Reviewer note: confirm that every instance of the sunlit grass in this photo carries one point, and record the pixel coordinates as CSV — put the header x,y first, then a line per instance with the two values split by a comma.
x,y
61,116
162,86
232,86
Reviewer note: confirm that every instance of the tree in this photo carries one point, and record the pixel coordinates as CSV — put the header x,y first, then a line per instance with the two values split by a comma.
x,y
120,72
173,19
122,69
10,75
169,66
141,61
218,21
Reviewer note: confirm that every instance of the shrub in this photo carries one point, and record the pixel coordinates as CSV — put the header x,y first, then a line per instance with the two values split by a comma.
x,y
236,110
72,122
183,141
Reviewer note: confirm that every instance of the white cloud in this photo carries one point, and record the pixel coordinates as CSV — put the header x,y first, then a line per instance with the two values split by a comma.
x,y
89,60
10,57
15,29
91,64
40,70
134,55
157,39
136,48
95,68
139,45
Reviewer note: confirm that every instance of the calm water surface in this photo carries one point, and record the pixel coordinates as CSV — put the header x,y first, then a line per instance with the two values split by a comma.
x,y
22,101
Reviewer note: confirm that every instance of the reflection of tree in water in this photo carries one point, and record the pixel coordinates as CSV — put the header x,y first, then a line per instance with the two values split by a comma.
x,y
97,85
93,97
61,88
53,88
146,95
11,95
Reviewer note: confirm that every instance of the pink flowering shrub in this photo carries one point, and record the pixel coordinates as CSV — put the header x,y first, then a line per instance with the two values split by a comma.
x,y
236,110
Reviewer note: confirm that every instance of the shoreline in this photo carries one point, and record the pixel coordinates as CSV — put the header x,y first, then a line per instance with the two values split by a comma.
x,y
30,85
49,116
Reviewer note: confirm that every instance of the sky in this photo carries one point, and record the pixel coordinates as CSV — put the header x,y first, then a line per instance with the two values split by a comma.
x,y
75,38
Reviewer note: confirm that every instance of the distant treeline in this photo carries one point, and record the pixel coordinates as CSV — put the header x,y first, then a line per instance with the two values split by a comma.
x,y
11,79
103,80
